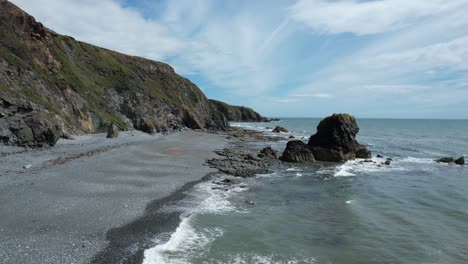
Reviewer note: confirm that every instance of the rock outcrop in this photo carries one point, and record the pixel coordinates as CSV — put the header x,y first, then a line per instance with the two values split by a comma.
x,y
235,113
23,123
297,151
86,87
112,131
335,140
268,153
279,129
450,160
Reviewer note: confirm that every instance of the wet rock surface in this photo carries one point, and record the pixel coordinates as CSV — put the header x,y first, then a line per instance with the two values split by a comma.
x,y
297,151
451,160
279,129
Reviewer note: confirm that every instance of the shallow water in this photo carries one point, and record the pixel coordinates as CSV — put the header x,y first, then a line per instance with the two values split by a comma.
x,y
413,211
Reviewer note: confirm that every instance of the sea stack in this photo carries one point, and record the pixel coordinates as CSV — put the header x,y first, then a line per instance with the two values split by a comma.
x,y
334,141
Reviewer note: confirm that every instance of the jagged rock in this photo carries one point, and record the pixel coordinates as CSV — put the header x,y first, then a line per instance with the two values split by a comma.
x,y
297,151
113,131
335,140
279,129
269,153
460,161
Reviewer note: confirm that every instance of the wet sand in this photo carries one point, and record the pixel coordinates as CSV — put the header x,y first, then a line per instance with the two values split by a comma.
x,y
58,205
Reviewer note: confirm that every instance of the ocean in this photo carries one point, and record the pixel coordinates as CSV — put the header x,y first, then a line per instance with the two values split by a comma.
x,y
413,211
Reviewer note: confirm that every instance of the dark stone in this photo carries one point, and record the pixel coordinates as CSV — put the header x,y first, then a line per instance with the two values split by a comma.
x,y
387,162
269,153
112,131
379,156
279,129
335,140
460,161
34,129
445,160
297,151
291,137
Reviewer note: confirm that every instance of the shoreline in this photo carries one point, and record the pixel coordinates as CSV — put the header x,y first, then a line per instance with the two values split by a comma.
x,y
56,213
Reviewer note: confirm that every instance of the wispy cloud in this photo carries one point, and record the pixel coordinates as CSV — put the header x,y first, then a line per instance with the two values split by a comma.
x,y
341,55
366,17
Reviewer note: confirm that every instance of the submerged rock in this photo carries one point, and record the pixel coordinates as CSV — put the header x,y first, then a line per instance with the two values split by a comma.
x,y
297,151
335,140
112,132
450,160
279,129
460,161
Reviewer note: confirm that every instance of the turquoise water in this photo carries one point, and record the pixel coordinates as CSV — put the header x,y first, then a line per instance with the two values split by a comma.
x,y
413,211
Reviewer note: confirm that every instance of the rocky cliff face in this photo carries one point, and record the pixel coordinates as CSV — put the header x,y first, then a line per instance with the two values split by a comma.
x,y
83,88
238,113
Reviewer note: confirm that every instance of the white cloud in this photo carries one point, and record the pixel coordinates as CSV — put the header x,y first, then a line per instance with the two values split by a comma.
x,y
107,24
446,55
367,17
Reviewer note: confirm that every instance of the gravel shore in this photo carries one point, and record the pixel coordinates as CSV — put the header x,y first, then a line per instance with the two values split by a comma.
x,y
58,205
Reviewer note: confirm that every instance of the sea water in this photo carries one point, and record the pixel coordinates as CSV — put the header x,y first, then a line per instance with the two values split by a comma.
x,y
413,211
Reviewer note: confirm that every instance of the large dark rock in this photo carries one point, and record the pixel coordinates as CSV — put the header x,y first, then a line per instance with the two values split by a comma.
x,y
335,140
34,129
112,131
297,151
279,129
460,161
235,113
268,153
450,160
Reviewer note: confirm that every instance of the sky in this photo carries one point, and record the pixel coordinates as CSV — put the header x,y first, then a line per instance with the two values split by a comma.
x,y
291,58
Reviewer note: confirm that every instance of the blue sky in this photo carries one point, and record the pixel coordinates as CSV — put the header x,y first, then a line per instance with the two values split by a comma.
x,y
296,58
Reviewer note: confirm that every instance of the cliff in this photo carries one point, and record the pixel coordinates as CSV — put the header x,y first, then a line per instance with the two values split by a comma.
x,y
71,87
238,113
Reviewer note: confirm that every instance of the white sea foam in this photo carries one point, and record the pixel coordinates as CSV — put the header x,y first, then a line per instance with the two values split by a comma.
x,y
298,174
293,169
204,198
262,259
183,243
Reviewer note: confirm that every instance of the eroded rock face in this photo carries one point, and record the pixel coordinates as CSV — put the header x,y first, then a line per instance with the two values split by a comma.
x,y
335,140
34,129
297,151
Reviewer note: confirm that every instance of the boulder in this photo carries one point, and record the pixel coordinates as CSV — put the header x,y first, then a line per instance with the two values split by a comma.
x,y
269,153
460,161
297,151
335,140
279,129
34,129
112,131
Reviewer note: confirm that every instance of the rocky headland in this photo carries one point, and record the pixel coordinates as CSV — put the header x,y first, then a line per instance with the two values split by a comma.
x,y
53,86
